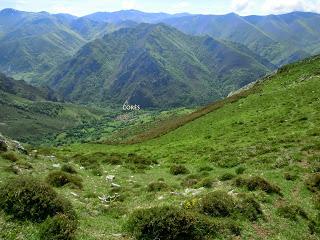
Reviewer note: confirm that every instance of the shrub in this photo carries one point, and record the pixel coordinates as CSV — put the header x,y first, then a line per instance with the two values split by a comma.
x,y
240,170
226,176
178,169
313,182
217,204
59,227
11,156
289,176
206,182
249,208
257,183
26,198
68,168
168,223
190,180
59,179
157,186
292,212
205,169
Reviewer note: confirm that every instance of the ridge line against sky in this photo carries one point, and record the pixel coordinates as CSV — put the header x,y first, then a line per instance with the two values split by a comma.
x,y
241,7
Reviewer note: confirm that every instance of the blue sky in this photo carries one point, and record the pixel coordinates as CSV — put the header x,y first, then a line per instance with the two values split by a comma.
x,y
242,7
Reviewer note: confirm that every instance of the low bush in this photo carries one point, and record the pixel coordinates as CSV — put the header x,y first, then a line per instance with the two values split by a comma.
x,y
257,183
206,182
289,176
217,204
68,168
313,182
249,208
59,227
190,180
205,168
240,170
26,198
157,186
11,156
226,176
178,169
60,178
168,223
292,212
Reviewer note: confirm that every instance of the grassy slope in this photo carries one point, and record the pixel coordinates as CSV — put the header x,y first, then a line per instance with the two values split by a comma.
x,y
273,131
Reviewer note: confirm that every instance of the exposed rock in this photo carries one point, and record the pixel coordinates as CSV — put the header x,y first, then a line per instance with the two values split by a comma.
x,y
114,185
110,178
7,144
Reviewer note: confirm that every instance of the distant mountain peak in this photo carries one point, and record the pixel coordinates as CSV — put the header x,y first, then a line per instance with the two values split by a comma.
x,y
9,11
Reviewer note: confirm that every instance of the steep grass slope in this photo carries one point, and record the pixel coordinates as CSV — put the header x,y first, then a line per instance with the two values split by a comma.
x,y
261,144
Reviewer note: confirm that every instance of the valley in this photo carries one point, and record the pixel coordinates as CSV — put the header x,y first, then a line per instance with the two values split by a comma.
x,y
134,125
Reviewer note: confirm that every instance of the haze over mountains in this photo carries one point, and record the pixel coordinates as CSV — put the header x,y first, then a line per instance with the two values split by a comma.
x,y
148,58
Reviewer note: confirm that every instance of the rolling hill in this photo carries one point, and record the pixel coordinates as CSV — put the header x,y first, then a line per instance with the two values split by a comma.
x,y
154,65
277,38
31,44
30,113
247,167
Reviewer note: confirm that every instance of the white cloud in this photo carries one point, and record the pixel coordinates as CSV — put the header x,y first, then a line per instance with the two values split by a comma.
x,y
285,6
183,6
129,4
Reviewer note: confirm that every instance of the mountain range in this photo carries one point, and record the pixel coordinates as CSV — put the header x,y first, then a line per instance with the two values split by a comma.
x,y
150,59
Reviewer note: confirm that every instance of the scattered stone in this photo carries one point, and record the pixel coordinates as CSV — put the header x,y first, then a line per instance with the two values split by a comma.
x,y
110,178
160,197
193,192
56,165
74,194
114,185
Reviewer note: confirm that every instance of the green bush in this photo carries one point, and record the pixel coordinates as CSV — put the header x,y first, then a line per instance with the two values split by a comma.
x,y
257,183
217,204
206,182
240,170
68,168
289,176
178,169
60,178
157,186
59,227
313,182
292,212
168,223
226,176
26,198
249,208
11,156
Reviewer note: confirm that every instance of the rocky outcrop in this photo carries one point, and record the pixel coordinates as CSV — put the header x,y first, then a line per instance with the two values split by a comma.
x,y
7,144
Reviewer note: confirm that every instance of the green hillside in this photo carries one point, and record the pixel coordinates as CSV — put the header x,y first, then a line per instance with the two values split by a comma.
x,y
275,37
156,66
246,167
29,113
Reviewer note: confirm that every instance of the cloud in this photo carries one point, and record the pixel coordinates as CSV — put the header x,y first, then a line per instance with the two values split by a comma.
x,y
182,6
129,4
285,6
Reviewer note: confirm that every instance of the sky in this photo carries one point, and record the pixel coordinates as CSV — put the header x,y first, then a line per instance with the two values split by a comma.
x,y
241,7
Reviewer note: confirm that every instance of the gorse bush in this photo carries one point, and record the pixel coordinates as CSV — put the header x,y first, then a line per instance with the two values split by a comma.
x,y
240,170
313,182
59,227
11,156
168,223
257,183
178,169
26,198
60,178
249,208
226,176
217,204
68,168
292,212
157,186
